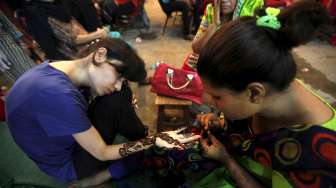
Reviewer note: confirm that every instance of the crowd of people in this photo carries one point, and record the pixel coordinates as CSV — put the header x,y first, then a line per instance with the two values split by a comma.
x,y
66,111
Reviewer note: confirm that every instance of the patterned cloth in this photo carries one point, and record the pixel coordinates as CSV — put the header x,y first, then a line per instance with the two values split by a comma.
x,y
66,33
304,155
299,156
175,168
246,8
8,27
13,61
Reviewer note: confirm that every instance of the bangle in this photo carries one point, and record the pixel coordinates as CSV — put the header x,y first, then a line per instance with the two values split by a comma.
x,y
153,140
218,26
220,115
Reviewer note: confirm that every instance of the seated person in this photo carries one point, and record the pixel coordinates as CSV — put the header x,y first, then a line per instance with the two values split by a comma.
x,y
85,13
168,6
118,8
113,114
128,12
215,15
47,114
58,33
277,129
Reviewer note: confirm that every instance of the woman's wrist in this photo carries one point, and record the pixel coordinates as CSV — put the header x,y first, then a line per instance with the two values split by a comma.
x,y
152,139
225,158
102,33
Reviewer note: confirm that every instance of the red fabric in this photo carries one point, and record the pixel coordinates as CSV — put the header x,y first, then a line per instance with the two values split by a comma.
x,y
330,5
333,40
278,3
137,4
185,65
193,91
120,2
332,8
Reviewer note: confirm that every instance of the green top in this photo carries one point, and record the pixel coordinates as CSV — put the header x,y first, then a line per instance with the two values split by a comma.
x,y
266,174
330,124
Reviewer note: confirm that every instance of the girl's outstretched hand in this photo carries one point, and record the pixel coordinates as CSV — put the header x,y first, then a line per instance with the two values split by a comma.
x,y
173,139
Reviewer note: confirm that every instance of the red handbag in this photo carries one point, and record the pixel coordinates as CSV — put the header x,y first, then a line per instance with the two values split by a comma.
x,y
177,83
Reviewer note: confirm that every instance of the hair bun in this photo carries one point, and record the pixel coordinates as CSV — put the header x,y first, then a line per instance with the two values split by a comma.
x,y
301,21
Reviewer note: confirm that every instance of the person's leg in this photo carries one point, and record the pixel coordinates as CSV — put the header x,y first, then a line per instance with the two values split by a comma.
x,y
85,13
186,15
115,170
114,113
113,10
197,15
144,17
110,114
90,181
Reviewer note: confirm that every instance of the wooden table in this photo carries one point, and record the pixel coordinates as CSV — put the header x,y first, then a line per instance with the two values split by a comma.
x,y
173,103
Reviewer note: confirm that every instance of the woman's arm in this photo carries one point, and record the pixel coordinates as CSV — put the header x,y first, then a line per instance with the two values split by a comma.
x,y
202,38
214,149
92,142
73,33
85,38
242,178
208,26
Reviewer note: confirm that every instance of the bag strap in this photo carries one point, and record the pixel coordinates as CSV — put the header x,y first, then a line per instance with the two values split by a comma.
x,y
170,75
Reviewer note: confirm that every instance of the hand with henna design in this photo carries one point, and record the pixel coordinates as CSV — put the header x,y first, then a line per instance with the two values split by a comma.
x,y
173,139
169,140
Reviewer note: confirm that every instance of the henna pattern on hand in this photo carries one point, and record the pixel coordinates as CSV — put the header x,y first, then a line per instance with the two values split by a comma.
x,y
122,152
132,147
168,139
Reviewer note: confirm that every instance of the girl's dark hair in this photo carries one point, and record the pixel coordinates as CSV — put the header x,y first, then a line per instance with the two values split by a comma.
x,y
242,52
132,67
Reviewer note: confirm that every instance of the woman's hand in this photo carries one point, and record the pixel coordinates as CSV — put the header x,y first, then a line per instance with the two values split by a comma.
x,y
217,10
102,32
173,139
205,119
212,148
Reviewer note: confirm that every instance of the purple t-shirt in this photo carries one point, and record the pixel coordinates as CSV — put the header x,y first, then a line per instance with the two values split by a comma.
x,y
44,109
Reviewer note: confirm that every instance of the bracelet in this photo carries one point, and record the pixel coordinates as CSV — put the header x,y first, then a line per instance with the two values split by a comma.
x,y
218,26
220,115
153,140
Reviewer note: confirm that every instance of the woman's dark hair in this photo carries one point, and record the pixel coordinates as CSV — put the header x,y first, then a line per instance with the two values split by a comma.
x,y
132,67
242,52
